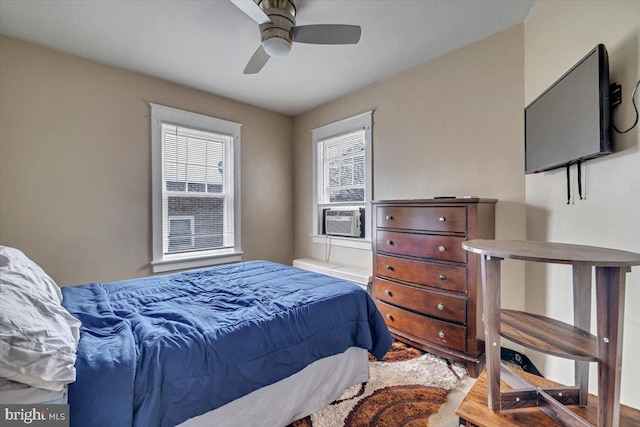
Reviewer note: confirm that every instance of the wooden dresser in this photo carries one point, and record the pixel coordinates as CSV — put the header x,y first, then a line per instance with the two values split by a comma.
x,y
426,286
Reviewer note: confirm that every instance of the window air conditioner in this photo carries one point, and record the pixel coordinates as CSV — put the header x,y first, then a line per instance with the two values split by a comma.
x,y
342,222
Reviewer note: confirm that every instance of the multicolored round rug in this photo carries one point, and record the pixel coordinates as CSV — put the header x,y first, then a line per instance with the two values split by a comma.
x,y
404,389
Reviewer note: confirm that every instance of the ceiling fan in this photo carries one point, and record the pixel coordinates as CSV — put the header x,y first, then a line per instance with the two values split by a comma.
x,y
277,22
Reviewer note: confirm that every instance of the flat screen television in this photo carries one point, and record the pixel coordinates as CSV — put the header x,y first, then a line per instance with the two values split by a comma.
x,y
569,122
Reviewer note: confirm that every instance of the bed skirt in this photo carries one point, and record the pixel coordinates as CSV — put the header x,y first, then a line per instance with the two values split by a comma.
x,y
16,393
294,397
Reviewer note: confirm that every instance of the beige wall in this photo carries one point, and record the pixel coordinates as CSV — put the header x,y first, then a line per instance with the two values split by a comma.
x,y
75,154
557,35
452,126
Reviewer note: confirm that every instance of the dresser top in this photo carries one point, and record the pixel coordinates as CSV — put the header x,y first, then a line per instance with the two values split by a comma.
x,y
435,201
558,253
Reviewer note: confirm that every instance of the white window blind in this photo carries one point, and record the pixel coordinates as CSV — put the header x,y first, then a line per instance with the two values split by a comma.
x,y
342,160
197,193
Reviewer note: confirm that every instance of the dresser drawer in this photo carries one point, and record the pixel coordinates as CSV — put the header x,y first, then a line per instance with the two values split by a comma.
x,y
447,248
436,331
422,273
447,307
447,219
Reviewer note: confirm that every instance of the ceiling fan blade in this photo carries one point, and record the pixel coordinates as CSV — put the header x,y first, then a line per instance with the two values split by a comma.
x,y
257,61
252,9
327,34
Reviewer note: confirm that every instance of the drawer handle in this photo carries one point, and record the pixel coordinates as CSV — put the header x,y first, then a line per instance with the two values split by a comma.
x,y
389,267
440,307
389,242
442,277
441,334
389,217
442,248
389,316
442,219
387,292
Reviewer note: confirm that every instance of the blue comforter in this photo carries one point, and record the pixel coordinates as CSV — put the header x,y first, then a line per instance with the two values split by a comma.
x,y
159,350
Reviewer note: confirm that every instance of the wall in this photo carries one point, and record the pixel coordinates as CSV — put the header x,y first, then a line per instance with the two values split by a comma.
x,y
452,126
557,35
75,158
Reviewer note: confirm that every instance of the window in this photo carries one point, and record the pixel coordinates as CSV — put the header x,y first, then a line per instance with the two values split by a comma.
x,y
342,174
196,199
181,233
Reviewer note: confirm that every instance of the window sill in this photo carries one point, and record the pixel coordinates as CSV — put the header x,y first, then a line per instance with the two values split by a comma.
x,y
347,242
171,264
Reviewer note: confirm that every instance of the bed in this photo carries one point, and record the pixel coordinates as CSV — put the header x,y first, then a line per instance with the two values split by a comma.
x,y
253,343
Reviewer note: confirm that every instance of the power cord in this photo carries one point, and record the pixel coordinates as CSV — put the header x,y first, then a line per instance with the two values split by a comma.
x,y
635,107
327,247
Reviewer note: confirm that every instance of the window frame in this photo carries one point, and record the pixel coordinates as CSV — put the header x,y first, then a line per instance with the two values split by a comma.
x,y
162,262
362,121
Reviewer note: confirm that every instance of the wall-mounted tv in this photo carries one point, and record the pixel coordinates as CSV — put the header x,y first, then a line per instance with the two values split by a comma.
x,y
569,122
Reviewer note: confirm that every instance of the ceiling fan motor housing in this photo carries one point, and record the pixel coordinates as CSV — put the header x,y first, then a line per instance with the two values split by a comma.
x,y
277,35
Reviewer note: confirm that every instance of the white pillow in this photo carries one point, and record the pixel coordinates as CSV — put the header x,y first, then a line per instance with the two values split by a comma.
x,y
38,336
15,263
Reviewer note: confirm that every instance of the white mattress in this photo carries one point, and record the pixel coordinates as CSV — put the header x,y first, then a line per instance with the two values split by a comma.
x,y
292,398
13,392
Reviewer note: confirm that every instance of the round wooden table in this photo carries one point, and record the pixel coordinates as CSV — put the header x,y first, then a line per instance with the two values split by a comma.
x,y
554,337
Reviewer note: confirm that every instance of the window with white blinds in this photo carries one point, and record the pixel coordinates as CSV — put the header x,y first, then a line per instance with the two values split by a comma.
x,y
198,190
342,169
196,206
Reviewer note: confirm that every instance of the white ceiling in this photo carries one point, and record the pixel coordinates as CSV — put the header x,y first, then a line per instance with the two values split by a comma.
x,y
206,44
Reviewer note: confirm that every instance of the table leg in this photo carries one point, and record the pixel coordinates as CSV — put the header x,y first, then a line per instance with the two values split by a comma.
x,y
491,320
582,320
610,288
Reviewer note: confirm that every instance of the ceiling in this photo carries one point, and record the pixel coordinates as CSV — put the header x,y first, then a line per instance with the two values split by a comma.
x,y
205,44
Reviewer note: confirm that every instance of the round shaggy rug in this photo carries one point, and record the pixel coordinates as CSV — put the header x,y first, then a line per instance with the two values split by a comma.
x,y
404,389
